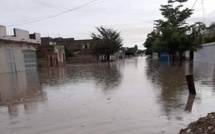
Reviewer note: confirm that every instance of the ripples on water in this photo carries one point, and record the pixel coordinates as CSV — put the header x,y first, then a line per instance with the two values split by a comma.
x,y
132,96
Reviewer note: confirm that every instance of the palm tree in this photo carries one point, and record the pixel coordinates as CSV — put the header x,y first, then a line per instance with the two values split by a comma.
x,y
106,42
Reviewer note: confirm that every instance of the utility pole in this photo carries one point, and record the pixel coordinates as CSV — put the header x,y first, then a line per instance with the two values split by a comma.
x,y
203,10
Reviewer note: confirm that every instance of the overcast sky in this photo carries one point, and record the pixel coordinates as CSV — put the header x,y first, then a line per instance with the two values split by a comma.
x,y
133,18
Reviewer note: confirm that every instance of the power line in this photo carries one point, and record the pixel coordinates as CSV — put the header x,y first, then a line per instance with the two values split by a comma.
x,y
194,4
211,13
30,19
203,8
52,16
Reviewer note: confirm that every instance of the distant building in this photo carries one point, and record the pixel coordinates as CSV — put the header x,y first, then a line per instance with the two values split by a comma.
x,y
82,49
74,45
129,51
116,56
210,31
18,52
50,53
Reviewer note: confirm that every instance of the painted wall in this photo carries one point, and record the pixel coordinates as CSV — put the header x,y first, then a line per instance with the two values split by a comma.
x,y
21,40
18,56
12,84
187,54
51,56
19,35
3,65
206,54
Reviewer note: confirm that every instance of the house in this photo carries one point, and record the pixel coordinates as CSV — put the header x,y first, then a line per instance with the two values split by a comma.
x,y
131,51
116,56
84,53
74,45
82,49
18,52
50,53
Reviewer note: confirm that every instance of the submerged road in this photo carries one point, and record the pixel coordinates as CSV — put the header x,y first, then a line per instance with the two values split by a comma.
x,y
132,96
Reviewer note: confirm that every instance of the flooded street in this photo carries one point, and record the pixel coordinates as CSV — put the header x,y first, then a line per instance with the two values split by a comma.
x,y
132,96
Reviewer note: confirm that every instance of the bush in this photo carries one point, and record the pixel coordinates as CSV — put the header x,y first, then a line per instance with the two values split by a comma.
x,y
68,52
209,39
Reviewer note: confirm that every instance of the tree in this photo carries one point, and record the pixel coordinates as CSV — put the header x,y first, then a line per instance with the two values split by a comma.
x,y
212,26
132,51
68,52
172,33
209,35
150,42
107,42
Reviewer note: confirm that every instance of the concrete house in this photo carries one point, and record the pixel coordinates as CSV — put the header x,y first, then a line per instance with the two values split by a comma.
x,y
18,52
84,52
80,48
50,53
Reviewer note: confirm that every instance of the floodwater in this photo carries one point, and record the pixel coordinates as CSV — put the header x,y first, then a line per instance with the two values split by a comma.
x,y
132,96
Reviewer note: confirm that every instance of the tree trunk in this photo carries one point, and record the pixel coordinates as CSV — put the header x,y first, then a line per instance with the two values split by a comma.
x,y
191,55
170,57
107,57
173,58
181,58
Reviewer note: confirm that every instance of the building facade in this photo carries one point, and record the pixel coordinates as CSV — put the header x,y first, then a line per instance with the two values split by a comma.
x,y
18,52
81,49
206,54
50,53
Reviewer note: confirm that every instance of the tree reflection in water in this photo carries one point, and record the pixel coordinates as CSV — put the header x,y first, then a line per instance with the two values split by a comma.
x,y
172,84
105,75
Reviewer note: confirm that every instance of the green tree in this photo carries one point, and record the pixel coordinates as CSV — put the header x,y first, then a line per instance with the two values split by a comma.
x,y
172,33
106,42
209,35
212,26
68,52
150,43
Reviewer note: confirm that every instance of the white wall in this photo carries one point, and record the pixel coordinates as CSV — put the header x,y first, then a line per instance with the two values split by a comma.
x,y
19,35
206,54
3,64
18,55
187,54
8,81
19,42
2,31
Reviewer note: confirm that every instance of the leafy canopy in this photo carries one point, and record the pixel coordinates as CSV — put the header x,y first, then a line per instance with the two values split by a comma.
x,y
107,42
172,33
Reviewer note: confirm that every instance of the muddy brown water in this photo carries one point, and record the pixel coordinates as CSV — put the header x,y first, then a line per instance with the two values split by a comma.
x,y
132,96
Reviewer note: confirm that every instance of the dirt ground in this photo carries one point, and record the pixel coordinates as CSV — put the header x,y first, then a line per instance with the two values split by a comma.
x,y
205,125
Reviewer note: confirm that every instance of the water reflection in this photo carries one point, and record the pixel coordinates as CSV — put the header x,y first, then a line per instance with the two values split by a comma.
x,y
21,88
104,75
13,110
107,76
136,95
52,76
171,82
204,73
190,101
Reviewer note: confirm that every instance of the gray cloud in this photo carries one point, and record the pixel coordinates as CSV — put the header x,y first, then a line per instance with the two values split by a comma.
x,y
133,18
